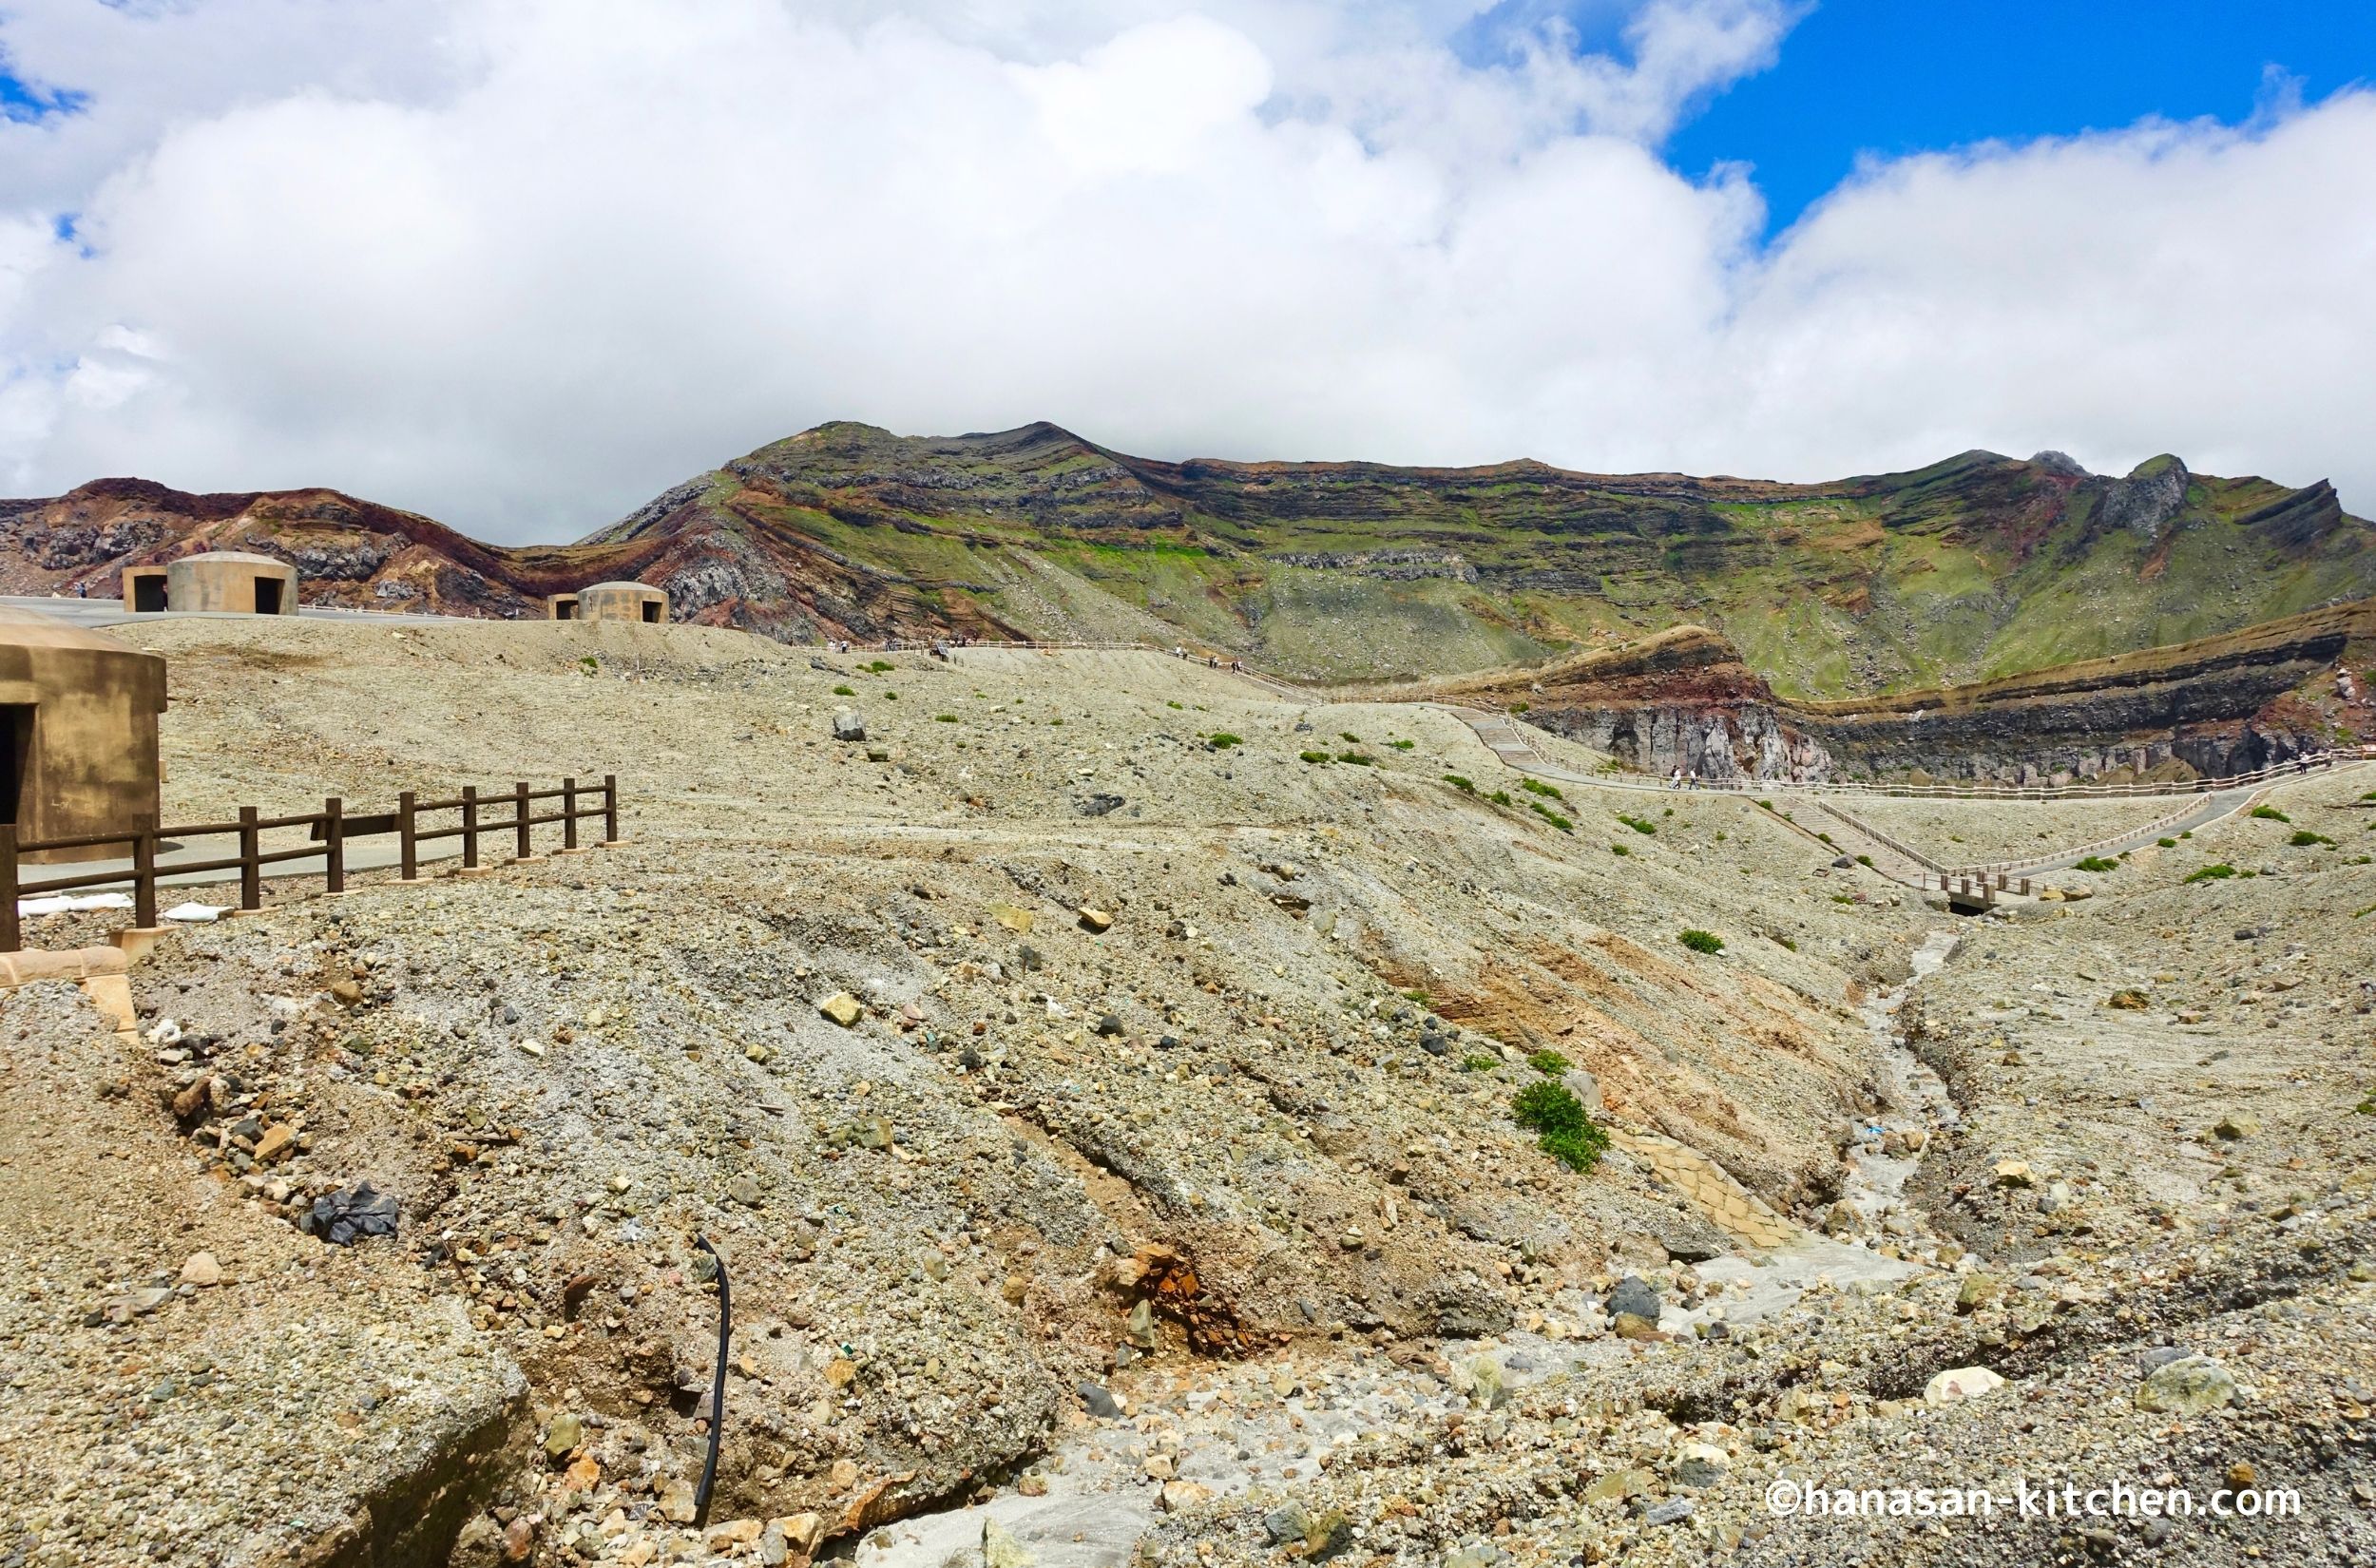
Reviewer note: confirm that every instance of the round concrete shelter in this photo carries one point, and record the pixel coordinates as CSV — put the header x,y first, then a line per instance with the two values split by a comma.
x,y
234,581
638,601
78,732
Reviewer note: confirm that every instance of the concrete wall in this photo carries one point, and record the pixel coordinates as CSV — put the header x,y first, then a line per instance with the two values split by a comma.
x,y
228,583
84,710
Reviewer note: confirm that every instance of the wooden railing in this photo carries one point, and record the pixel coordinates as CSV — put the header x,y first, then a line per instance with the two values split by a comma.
x,y
329,832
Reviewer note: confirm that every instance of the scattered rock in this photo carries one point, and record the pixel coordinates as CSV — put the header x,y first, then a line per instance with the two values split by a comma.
x,y
2190,1386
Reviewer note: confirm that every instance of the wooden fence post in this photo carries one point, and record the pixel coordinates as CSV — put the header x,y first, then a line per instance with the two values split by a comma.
x,y
407,854
251,868
570,813
520,820
610,808
334,843
10,938
144,874
470,827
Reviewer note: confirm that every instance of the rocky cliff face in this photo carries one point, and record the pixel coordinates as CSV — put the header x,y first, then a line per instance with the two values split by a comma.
x,y
2213,708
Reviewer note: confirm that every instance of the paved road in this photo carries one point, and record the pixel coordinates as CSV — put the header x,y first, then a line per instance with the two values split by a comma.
x,y
110,612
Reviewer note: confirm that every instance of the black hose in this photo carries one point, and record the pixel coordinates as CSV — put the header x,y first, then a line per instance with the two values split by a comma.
x,y
718,1386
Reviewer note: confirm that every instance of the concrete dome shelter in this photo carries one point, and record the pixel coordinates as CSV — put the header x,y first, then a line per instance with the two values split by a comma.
x,y
78,731
638,601
227,581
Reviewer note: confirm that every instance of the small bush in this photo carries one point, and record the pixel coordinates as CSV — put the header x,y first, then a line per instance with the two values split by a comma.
x,y
2363,914
1785,941
1168,703
2096,863
1561,1126
1313,756
1638,824
1550,1064
1551,816
891,697
1866,861
1058,719
845,691
1701,942
1826,837
1766,805
1402,745
1348,735
1222,740
1619,849
1356,759
1463,785
1520,707
1477,1062
1843,898
2303,838
2166,842
877,667
2213,874
2269,813
944,718
1500,798
1536,786
1420,997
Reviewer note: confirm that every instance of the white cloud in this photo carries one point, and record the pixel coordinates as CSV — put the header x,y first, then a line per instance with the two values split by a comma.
x,y
522,264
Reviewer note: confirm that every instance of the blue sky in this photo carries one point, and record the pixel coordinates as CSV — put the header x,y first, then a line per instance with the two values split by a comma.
x,y
1898,76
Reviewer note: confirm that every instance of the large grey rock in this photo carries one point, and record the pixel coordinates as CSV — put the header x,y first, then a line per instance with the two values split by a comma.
x,y
1633,1295
849,726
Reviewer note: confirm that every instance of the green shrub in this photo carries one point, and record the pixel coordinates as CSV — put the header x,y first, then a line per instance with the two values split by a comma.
x,y
1619,849
891,697
1500,798
1058,719
1222,740
2269,813
2303,838
1562,1128
1826,837
1420,997
1402,745
1520,707
2166,842
1550,1064
1551,816
1766,805
1865,860
1356,759
845,691
2363,914
1313,756
1639,825
944,718
1701,942
877,667
2096,863
1787,943
1168,703
1463,785
1348,735
1536,786
2213,874
1477,1062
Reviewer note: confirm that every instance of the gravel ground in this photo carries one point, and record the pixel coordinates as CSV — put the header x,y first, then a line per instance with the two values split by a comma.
x,y
1978,832
1174,1080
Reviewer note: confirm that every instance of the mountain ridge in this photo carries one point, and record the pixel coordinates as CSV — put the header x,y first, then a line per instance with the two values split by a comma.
x,y
1975,568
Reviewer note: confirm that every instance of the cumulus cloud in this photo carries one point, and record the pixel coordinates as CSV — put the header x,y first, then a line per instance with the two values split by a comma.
x,y
520,263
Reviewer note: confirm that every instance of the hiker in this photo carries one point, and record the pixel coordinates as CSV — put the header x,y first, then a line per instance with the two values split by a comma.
x,y
1675,779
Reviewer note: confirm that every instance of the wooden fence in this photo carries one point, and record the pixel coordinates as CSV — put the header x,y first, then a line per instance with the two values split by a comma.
x,y
329,830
